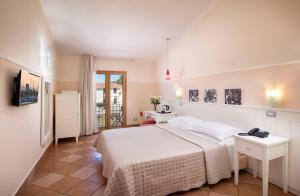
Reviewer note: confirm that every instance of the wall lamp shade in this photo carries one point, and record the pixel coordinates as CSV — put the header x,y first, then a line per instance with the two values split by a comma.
x,y
274,97
168,76
179,94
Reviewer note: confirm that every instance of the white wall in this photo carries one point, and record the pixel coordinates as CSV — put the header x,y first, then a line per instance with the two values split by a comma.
x,y
249,44
253,45
69,68
23,36
233,35
140,80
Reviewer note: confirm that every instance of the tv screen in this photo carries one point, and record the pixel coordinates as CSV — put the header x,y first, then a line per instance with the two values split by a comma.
x,y
26,88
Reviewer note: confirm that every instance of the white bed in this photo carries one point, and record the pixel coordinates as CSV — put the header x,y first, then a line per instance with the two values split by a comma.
x,y
161,159
229,142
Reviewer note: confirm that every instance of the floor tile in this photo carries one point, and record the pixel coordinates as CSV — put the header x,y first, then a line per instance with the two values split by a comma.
x,y
277,191
98,178
99,192
246,177
48,180
84,173
96,164
67,169
86,150
46,192
85,188
65,185
90,141
85,145
70,158
217,194
72,149
38,174
51,165
84,161
56,155
72,144
197,192
202,191
246,189
30,190
89,152
225,186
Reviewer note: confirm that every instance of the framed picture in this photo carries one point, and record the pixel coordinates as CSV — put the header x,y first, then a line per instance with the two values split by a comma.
x,y
233,96
210,96
194,95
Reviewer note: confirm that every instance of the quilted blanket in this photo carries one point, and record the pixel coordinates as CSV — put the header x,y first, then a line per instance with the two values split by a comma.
x,y
158,160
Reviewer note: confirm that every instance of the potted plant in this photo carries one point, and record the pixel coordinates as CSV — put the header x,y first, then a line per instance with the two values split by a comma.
x,y
155,100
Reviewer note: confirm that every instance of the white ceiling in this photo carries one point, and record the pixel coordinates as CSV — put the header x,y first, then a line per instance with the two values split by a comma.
x,y
128,29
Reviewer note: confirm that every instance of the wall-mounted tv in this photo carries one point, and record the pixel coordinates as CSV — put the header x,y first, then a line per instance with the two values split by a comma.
x,y
26,88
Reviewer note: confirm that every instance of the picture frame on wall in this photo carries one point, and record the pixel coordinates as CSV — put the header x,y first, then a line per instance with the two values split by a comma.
x,y
210,96
194,95
233,96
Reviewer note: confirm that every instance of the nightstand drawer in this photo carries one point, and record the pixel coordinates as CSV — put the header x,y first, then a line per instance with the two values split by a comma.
x,y
250,149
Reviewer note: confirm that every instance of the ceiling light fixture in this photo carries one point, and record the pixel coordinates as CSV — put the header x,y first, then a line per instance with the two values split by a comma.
x,y
168,76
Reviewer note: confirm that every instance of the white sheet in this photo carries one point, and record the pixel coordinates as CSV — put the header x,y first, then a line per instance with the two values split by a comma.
x,y
229,142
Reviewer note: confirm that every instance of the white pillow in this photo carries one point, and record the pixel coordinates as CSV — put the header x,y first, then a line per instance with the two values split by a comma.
x,y
184,122
217,130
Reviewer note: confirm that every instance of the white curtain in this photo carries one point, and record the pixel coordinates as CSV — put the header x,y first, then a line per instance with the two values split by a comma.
x,y
88,95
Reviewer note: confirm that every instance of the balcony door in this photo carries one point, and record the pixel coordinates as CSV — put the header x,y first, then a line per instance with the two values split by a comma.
x,y
111,99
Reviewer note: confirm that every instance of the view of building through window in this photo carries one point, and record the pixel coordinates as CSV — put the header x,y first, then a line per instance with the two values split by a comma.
x,y
116,98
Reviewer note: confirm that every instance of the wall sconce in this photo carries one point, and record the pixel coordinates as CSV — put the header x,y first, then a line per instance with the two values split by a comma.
x,y
274,97
179,95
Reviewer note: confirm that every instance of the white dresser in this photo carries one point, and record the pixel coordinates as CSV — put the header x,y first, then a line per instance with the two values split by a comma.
x,y
67,115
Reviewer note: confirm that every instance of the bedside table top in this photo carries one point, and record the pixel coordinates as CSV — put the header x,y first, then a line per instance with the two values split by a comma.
x,y
268,141
158,114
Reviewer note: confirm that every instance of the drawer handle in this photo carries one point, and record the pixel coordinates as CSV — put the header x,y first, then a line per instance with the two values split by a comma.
x,y
248,148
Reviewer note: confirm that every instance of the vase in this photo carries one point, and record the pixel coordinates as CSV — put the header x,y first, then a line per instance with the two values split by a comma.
x,y
155,107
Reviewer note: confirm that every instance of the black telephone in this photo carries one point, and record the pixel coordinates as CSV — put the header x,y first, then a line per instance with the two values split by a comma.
x,y
256,132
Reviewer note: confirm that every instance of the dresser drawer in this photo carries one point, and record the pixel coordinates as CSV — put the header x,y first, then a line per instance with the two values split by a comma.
x,y
67,98
250,149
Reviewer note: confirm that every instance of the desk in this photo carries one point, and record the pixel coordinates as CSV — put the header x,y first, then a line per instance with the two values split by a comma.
x,y
159,117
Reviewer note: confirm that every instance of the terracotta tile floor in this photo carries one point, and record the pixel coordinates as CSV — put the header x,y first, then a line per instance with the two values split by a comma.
x,y
76,169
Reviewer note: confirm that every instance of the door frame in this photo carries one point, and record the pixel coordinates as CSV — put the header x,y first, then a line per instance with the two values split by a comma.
x,y
44,128
107,74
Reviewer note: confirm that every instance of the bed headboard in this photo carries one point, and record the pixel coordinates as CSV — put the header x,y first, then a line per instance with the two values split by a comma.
x,y
286,123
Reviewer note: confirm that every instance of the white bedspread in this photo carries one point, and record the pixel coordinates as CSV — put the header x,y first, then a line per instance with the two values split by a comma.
x,y
158,160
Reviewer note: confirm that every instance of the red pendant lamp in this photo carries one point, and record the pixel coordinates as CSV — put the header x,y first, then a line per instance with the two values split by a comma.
x,y
168,76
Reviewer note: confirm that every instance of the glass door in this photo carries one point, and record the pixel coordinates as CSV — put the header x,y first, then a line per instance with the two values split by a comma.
x,y
116,100
101,100
111,86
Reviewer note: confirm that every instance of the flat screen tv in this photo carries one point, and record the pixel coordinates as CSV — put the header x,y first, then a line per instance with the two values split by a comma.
x,y
26,88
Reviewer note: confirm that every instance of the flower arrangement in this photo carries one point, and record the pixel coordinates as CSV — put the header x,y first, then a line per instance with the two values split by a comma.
x,y
155,100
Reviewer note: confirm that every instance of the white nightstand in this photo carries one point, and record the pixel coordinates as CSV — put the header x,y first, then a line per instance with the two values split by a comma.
x,y
264,149
159,117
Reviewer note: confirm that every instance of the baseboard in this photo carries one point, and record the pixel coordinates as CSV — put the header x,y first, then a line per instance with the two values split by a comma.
x,y
22,188
275,182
